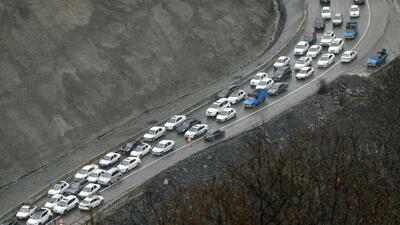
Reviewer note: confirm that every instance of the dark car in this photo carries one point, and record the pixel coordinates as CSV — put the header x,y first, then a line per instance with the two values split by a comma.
x,y
359,2
10,222
310,36
213,135
325,1
128,147
278,88
76,186
187,125
282,73
319,23
225,92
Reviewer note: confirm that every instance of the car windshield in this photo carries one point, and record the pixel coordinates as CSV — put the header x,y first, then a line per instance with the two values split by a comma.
x,y
274,87
262,83
346,54
224,113
299,46
172,120
326,36
85,201
94,174
301,61
258,77
160,145
235,94
152,132
57,186
313,49
138,148
106,175
337,17
214,106
75,185
62,203
24,209
326,10
303,70
36,216
129,145
193,129
107,157
354,9
280,61
86,189
335,44
53,200
125,163
324,58
83,171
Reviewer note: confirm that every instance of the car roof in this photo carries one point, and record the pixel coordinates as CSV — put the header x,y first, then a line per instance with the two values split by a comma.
x,y
228,109
130,158
88,166
354,6
302,43
155,128
111,170
266,79
304,57
326,7
315,46
98,170
91,185
221,100
198,125
305,68
111,154
336,40
338,14
282,57
165,141
69,197
61,182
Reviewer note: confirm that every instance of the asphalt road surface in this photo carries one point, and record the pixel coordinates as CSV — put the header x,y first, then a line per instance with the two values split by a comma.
x,y
378,25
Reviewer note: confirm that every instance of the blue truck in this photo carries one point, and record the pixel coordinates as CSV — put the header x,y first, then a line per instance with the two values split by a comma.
x,y
378,59
351,30
255,98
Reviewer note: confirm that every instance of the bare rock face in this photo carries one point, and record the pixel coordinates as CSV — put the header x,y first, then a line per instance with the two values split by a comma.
x,y
69,68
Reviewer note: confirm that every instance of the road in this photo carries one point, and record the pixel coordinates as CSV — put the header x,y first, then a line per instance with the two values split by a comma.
x,y
377,25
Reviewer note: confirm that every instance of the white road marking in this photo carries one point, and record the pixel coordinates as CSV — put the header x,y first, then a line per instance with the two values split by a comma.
x,y
251,114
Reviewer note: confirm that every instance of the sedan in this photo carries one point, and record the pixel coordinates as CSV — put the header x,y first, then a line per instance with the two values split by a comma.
x,y
257,78
305,73
354,11
302,62
326,12
196,131
278,88
129,164
109,159
337,19
91,202
59,188
213,135
174,122
128,147
25,212
76,186
89,190
141,150
348,56
327,38
265,84
154,133
225,92
301,48
314,51
282,61
40,217
163,147
94,176
282,73
237,96
187,125
226,115
336,46
84,171
319,23
326,60
51,202
66,204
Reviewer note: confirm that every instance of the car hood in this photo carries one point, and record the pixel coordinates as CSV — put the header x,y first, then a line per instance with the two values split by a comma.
x,y
58,208
32,221
221,117
250,101
158,149
80,176
349,32
72,190
22,214
148,136
104,162
326,40
122,167
212,110
301,75
373,59
135,153
53,192
168,124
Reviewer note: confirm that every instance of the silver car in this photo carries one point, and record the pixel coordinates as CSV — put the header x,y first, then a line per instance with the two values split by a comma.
x,y
110,176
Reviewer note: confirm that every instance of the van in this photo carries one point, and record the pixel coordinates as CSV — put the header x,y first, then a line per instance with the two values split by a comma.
x,y
110,176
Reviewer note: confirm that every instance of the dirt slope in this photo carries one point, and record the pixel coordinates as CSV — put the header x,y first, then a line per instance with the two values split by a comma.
x,y
70,68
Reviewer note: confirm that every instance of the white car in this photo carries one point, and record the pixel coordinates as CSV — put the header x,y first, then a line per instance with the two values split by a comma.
x,y
314,51
163,147
109,159
196,131
84,172
302,62
257,78
141,150
282,61
89,190
337,19
51,202
66,204
174,122
327,38
348,56
217,107
326,60
25,211
40,217
154,133
129,163
304,73
354,11
94,175
58,188
336,46
265,84
91,202
301,48
237,96
226,115
326,12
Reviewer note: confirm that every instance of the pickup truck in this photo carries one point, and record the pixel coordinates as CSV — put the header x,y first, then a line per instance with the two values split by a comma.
x,y
255,98
351,30
378,59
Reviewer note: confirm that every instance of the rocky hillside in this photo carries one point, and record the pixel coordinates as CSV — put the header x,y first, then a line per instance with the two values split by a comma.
x,y
333,159
70,68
